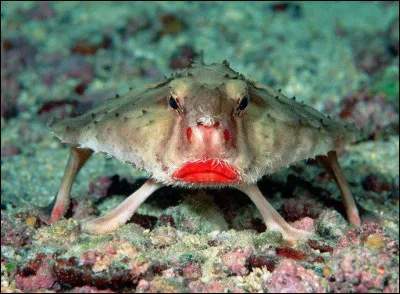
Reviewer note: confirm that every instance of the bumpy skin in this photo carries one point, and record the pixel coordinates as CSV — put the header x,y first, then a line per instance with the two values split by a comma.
x,y
142,129
206,126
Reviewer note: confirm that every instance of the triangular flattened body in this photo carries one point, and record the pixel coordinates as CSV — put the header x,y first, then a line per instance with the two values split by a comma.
x,y
144,129
282,131
207,126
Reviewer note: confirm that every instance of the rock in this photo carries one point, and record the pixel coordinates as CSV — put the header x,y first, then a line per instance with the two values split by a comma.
x,y
331,224
290,277
361,269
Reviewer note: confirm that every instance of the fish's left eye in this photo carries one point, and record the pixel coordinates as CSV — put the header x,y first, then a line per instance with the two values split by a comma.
x,y
173,103
244,103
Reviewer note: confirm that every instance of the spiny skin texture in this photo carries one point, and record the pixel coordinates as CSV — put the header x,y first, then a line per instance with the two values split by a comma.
x,y
142,129
206,126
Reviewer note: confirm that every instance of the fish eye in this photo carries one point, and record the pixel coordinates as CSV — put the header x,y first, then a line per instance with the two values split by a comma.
x,y
244,103
173,103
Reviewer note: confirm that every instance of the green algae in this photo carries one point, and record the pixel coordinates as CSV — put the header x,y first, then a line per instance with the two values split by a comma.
x,y
272,238
387,82
10,266
190,257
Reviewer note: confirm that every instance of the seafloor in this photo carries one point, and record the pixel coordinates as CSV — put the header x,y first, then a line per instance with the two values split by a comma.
x,y
62,58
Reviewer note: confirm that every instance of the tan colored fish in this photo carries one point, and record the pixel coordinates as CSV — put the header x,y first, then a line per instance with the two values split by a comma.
x,y
207,126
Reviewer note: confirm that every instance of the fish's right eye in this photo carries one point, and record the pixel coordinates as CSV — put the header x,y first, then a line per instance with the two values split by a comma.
x,y
243,103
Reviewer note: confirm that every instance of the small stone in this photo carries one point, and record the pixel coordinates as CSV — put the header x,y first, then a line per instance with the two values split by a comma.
x,y
375,242
164,236
331,224
197,214
31,221
304,224
327,272
235,261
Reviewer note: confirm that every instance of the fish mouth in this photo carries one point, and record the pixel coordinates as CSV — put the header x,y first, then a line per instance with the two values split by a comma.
x,y
207,171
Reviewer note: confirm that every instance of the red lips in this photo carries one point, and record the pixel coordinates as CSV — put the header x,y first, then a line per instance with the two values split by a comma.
x,y
207,171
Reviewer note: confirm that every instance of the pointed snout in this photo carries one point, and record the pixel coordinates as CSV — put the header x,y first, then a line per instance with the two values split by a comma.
x,y
212,124
213,137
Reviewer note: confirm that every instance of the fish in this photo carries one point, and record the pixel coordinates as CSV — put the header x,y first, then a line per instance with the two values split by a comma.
x,y
206,126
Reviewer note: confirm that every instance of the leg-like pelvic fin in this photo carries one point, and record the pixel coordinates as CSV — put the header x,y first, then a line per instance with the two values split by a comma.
x,y
331,164
273,220
123,212
59,206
